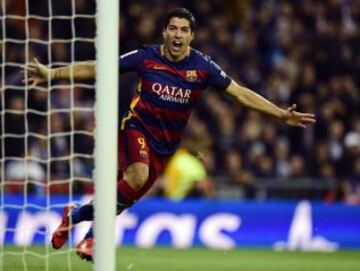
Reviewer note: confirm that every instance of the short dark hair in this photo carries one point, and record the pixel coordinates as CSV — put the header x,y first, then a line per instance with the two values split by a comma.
x,y
180,13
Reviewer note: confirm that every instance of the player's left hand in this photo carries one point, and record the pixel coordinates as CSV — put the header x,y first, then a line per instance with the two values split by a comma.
x,y
298,119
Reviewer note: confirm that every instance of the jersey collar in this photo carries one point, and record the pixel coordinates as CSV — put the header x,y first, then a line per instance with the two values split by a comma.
x,y
162,52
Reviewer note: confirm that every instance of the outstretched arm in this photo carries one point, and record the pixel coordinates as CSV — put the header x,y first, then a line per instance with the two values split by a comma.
x,y
256,102
39,73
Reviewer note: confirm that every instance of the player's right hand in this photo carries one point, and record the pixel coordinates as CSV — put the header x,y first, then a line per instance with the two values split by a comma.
x,y
36,73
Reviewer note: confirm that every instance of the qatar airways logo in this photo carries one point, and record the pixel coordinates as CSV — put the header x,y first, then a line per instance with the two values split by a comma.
x,y
171,94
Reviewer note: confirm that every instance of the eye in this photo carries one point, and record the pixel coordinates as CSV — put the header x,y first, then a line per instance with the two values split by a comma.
x,y
186,30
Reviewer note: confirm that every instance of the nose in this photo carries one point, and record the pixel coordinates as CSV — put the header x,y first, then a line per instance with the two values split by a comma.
x,y
178,34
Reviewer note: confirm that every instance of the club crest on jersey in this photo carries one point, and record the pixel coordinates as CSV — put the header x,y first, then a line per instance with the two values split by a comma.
x,y
191,76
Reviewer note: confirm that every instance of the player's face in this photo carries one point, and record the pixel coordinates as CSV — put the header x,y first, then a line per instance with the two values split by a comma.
x,y
177,38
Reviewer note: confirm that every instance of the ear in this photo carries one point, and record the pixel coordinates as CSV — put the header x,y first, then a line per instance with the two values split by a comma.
x,y
192,36
164,33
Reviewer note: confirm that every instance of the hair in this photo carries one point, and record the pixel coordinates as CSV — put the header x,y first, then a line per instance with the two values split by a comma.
x,y
180,13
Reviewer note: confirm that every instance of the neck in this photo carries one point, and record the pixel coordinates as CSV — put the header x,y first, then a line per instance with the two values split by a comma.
x,y
169,56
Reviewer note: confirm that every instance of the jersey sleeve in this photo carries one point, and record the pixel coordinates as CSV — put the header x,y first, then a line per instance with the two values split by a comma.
x,y
131,61
217,77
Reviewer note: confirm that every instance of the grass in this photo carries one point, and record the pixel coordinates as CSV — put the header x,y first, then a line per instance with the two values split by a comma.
x,y
197,259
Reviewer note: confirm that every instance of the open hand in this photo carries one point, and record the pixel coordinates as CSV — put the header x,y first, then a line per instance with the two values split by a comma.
x,y
294,118
37,73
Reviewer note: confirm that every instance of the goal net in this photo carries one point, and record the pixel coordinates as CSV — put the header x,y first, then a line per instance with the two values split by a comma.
x,y
47,131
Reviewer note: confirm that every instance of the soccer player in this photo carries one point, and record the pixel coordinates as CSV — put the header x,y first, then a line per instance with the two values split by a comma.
x,y
172,77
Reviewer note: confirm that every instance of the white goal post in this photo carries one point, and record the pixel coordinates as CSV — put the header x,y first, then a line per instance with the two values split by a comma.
x,y
106,105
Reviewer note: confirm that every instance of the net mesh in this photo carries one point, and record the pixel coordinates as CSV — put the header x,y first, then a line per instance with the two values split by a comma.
x,y
46,131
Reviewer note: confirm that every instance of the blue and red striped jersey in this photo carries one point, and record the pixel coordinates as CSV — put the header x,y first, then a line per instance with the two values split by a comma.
x,y
167,92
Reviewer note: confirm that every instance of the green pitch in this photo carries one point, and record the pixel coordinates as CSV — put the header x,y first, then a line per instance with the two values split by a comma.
x,y
158,259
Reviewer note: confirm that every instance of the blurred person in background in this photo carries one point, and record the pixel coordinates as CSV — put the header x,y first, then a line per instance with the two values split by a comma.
x,y
233,165
23,177
185,175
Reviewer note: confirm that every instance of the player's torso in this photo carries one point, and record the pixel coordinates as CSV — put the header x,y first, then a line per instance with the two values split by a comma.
x,y
167,93
171,85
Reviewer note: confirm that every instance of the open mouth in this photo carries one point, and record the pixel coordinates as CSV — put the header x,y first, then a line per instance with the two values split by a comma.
x,y
176,45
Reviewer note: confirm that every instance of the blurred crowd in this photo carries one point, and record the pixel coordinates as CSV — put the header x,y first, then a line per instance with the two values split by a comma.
x,y
302,51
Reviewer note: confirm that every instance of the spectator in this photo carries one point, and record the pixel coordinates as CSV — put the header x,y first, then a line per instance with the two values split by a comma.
x,y
304,51
185,175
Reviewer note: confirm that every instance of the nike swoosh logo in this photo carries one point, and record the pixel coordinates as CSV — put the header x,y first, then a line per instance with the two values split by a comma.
x,y
157,67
